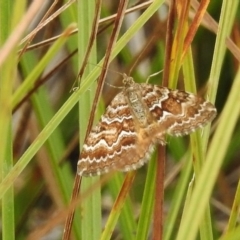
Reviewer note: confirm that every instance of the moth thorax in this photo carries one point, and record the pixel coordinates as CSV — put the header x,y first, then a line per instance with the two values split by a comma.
x,y
137,107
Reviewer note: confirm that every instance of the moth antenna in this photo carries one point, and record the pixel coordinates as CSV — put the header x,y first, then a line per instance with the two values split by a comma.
x,y
117,87
153,75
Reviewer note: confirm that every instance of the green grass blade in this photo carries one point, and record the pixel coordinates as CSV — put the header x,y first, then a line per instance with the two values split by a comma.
x,y
197,146
7,74
29,82
171,222
117,207
147,201
127,224
91,206
233,220
214,159
228,8
232,235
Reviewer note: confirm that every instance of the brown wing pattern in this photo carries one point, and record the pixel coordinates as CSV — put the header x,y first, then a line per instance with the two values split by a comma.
x,y
124,138
177,112
114,143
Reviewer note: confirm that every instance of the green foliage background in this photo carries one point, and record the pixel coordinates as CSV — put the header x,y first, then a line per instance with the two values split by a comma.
x,y
39,139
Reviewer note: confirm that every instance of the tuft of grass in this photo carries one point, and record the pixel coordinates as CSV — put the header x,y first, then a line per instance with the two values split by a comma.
x,y
39,150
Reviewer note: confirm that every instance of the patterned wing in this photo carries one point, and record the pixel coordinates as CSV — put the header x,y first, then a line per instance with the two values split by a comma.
x,y
115,143
134,121
177,112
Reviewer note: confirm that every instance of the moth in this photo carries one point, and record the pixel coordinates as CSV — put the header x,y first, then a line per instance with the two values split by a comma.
x,y
138,118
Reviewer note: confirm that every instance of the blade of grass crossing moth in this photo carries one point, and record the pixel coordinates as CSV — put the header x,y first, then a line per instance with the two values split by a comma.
x,y
127,223
197,144
147,201
91,206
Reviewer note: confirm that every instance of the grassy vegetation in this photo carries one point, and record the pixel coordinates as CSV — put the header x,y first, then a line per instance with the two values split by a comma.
x,y
44,115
